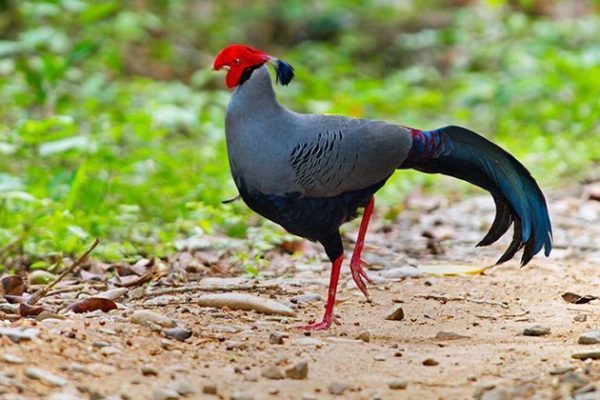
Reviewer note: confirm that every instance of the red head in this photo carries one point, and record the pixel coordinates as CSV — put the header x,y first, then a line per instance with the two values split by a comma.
x,y
241,60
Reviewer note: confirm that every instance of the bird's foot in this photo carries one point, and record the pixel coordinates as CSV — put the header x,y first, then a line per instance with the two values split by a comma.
x,y
358,274
321,325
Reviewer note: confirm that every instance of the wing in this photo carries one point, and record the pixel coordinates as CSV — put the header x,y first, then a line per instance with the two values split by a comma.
x,y
341,154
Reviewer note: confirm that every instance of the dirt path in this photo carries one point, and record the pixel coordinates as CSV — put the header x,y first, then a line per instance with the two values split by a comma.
x,y
106,356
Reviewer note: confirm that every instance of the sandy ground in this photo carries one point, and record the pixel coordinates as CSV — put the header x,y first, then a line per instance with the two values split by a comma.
x,y
464,342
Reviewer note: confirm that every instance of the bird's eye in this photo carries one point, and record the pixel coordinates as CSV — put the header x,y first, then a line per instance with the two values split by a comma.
x,y
236,61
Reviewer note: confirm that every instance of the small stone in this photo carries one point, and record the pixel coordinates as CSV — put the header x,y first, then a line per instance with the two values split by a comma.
x,y
46,377
11,359
80,369
182,387
584,355
145,316
575,379
449,336
430,362
251,377
165,394
338,388
273,391
109,351
297,371
536,330
306,298
100,344
272,372
209,388
580,318
401,273
561,370
18,334
398,384
397,314
365,336
309,397
241,396
178,333
591,337
497,394
149,370
276,338
230,345
380,357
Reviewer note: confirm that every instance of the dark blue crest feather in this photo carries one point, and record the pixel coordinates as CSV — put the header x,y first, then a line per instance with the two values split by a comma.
x,y
284,71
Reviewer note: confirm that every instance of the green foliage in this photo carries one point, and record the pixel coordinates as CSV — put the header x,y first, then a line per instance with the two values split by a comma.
x,y
111,122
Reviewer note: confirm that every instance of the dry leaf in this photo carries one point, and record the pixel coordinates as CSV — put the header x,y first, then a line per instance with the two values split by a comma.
x,y
12,285
574,298
92,304
27,310
451,269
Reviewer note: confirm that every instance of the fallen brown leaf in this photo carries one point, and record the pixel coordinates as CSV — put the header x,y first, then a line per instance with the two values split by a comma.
x,y
12,285
575,298
27,310
92,304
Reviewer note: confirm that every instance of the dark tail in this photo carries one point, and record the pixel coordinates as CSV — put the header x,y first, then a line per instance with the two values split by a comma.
x,y
458,152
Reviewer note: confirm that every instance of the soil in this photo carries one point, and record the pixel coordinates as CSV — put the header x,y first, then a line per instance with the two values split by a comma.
x,y
461,336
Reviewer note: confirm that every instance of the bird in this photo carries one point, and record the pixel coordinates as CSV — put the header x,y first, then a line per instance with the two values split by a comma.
x,y
311,173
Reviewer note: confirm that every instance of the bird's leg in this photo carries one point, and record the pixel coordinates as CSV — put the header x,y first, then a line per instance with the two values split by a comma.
x,y
356,262
333,282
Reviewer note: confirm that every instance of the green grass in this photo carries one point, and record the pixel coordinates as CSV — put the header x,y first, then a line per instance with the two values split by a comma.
x,y
111,122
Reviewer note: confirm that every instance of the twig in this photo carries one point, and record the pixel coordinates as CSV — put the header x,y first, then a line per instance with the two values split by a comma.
x,y
40,293
76,288
217,288
502,304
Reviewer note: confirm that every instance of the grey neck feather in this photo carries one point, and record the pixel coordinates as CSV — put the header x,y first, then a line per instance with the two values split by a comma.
x,y
255,95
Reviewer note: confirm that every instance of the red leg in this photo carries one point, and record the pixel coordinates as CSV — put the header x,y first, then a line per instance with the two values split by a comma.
x,y
333,281
356,263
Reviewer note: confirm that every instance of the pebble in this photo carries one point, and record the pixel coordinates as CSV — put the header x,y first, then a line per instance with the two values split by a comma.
x,y
591,337
149,370
100,344
338,388
297,371
11,359
307,341
209,388
593,354
230,344
113,294
272,372
145,316
401,272
365,336
497,394
561,370
276,338
165,394
306,298
244,301
380,357
441,335
46,377
63,396
17,334
575,379
430,362
309,397
397,314
536,330
241,396
178,333
182,386
251,377
398,384
109,351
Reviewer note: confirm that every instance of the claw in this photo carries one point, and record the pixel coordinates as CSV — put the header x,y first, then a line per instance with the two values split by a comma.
x,y
358,274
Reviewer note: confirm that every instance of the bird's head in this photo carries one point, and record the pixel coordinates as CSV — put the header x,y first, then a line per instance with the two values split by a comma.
x,y
241,60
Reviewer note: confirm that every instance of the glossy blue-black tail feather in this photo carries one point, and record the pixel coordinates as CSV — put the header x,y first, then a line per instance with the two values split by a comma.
x,y
284,72
466,155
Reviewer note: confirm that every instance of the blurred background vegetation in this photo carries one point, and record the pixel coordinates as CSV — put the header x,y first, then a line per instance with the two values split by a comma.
x,y
111,120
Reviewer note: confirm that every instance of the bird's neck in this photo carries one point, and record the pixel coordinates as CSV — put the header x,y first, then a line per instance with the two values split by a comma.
x,y
255,96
